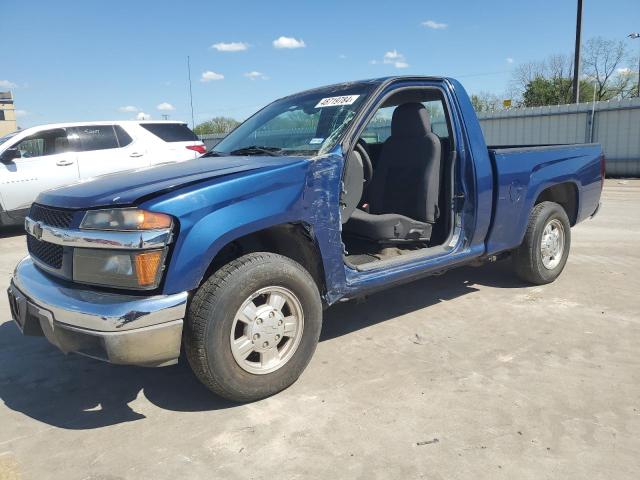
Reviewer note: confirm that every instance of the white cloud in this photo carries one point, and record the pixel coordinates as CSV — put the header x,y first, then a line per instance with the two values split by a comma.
x,y
21,113
165,106
395,58
7,84
509,60
256,75
128,108
230,46
342,56
434,25
143,116
392,55
624,71
208,76
288,42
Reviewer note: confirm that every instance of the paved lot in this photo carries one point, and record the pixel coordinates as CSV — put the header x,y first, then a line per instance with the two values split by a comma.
x,y
467,375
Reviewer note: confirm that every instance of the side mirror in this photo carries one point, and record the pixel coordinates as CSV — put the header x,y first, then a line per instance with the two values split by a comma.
x,y
9,155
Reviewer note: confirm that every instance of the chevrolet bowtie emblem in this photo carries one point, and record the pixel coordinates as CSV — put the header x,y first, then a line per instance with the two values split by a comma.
x,y
37,230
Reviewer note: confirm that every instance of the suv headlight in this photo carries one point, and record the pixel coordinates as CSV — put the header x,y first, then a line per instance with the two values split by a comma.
x,y
125,219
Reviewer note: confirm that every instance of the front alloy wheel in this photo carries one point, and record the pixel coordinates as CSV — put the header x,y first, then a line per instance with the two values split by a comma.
x,y
267,330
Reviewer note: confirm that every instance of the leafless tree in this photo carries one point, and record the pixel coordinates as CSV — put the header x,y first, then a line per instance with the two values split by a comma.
x,y
601,59
602,66
555,67
486,102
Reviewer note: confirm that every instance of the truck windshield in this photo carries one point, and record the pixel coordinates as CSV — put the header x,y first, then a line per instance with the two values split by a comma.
x,y
305,124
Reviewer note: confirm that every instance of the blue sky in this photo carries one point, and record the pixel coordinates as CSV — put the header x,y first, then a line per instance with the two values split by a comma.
x,y
71,61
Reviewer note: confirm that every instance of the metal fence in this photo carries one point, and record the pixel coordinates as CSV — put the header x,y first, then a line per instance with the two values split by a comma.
x,y
211,139
614,124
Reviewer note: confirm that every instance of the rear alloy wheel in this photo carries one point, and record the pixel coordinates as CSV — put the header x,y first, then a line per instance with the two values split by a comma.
x,y
552,244
253,326
545,248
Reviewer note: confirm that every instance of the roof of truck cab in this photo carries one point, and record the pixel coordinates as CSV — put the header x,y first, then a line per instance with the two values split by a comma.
x,y
369,81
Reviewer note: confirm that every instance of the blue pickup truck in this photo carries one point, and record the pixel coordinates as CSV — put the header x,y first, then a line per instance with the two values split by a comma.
x,y
322,196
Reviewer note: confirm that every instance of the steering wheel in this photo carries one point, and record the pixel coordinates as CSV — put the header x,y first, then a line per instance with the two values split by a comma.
x,y
361,148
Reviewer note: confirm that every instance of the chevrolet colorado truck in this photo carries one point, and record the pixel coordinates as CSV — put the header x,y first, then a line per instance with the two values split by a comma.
x,y
322,196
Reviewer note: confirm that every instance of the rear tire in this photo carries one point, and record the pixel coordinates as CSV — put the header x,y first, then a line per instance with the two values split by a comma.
x,y
544,251
253,326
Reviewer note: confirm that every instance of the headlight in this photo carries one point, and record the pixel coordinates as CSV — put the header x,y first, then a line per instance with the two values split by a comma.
x,y
118,268
125,219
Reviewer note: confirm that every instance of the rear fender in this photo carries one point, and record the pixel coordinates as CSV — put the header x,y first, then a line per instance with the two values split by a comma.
x,y
523,176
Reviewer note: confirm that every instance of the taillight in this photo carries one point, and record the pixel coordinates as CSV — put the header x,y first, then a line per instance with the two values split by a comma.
x,y
201,149
603,169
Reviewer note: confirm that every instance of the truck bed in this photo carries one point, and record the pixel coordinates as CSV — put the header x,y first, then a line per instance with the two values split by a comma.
x,y
522,173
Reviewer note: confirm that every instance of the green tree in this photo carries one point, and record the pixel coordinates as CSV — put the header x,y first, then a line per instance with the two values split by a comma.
x,y
554,91
216,125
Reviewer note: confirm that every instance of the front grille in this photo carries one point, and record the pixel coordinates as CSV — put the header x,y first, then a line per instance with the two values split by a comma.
x,y
51,216
48,253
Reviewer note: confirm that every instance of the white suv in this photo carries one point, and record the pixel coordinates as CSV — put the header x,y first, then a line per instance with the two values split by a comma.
x,y
39,158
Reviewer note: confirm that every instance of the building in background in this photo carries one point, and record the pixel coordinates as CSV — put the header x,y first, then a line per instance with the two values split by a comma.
x,y
7,114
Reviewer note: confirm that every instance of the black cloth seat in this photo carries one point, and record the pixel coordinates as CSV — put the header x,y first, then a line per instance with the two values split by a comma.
x,y
388,227
403,195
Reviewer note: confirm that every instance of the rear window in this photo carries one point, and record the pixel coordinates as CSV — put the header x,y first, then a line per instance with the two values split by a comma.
x,y
171,132
95,137
124,138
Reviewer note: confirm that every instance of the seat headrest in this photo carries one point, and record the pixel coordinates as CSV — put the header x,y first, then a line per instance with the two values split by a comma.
x,y
410,120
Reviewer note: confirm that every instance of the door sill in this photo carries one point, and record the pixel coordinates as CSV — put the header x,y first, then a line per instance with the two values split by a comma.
x,y
424,253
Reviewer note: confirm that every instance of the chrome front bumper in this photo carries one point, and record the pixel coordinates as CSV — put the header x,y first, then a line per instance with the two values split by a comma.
x,y
118,328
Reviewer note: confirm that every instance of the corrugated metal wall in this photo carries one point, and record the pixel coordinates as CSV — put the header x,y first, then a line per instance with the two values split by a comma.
x,y
211,139
616,126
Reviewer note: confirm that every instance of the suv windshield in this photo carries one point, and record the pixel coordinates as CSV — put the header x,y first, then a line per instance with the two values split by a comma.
x,y
304,124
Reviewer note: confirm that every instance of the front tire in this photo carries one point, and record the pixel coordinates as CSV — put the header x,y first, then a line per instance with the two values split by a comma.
x,y
253,326
544,251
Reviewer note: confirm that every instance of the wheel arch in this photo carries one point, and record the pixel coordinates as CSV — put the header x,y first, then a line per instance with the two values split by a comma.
x,y
566,195
294,240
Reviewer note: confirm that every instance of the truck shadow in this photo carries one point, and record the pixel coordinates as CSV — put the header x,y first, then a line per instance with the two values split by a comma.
x,y
351,316
79,393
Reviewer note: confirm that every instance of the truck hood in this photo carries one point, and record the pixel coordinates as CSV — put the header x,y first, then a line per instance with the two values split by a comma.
x,y
125,188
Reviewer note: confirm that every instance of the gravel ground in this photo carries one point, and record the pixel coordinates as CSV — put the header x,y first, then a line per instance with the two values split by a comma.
x,y
467,375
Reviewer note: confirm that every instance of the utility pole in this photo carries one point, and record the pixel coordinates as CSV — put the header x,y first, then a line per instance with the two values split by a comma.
x,y
193,123
576,58
637,35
